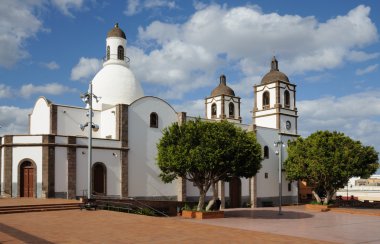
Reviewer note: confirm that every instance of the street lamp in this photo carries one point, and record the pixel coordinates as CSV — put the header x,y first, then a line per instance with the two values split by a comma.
x,y
280,145
87,98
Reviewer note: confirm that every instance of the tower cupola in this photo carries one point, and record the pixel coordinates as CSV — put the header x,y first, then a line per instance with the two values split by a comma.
x,y
116,46
222,103
115,83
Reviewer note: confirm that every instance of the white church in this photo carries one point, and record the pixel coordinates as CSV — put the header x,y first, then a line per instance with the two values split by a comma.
x,y
51,161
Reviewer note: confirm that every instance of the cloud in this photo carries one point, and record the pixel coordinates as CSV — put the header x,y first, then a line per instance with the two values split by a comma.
x,y
357,115
18,24
66,5
367,70
14,120
86,68
131,7
51,89
243,38
359,56
135,6
5,91
50,65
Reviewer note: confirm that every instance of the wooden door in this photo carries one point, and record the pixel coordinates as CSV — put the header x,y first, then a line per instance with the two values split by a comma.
x,y
235,193
27,182
99,179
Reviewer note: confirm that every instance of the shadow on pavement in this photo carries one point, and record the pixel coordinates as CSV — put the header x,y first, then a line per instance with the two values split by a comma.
x,y
21,235
266,214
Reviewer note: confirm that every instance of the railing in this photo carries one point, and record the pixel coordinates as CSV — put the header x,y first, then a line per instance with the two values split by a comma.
x,y
109,203
115,57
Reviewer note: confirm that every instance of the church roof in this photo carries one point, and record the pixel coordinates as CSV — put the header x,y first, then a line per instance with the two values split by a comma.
x,y
116,32
274,74
222,88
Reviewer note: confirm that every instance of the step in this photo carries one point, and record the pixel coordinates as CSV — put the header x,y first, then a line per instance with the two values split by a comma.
x,y
38,206
13,211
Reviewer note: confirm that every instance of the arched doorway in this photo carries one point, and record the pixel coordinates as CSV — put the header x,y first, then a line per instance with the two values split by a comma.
x,y
99,179
235,193
27,179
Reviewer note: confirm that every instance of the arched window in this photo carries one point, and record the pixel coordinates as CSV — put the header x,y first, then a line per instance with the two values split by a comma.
x,y
266,152
266,100
231,110
108,52
287,99
213,110
120,52
153,120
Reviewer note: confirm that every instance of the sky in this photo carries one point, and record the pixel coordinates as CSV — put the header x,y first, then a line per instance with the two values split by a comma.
x,y
178,49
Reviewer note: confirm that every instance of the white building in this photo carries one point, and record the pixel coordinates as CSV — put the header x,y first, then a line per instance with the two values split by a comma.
x,y
51,160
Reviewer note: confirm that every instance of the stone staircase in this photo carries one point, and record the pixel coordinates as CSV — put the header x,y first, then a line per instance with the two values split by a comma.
x,y
38,208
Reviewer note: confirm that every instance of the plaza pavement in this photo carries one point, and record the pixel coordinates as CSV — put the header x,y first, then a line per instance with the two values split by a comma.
x,y
262,225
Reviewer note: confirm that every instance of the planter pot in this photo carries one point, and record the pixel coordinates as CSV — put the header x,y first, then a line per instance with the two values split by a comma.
x,y
322,208
209,215
188,214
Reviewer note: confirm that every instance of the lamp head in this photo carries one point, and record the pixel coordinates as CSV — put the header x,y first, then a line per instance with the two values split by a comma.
x,y
82,126
95,127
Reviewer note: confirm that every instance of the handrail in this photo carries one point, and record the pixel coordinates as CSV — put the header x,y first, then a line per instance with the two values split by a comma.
x,y
145,205
115,57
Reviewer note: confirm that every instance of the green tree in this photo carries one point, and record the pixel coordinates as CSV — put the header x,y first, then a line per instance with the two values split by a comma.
x,y
327,160
206,152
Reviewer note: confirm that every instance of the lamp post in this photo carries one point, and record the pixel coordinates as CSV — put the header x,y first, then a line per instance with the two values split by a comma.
x,y
87,99
280,145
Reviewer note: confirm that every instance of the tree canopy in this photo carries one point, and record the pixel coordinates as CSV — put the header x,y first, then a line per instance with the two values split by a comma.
x,y
327,160
206,152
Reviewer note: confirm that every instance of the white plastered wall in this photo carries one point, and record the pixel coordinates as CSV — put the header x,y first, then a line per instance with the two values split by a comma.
x,y
2,167
143,173
40,117
30,153
109,157
108,123
268,187
61,166
272,93
210,102
69,120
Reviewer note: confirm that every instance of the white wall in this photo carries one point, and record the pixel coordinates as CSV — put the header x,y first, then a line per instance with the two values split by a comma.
x,y
111,159
33,153
60,174
143,179
2,169
108,123
27,139
81,174
70,118
269,187
40,117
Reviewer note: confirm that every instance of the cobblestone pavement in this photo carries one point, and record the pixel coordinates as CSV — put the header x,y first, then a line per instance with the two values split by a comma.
x,y
262,225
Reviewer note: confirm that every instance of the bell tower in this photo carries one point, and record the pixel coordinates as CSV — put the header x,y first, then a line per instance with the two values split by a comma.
x,y
222,104
116,45
275,102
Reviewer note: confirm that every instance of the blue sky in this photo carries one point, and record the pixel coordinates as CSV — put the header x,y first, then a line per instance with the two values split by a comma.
x,y
178,49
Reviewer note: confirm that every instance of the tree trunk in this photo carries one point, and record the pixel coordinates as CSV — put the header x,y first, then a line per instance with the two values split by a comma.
x,y
329,195
316,196
214,196
201,202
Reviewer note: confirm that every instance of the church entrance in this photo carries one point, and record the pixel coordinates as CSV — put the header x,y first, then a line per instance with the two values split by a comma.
x,y
99,179
27,178
235,193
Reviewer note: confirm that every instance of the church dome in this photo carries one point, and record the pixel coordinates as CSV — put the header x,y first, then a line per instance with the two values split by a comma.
x,y
274,74
222,88
116,32
116,84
